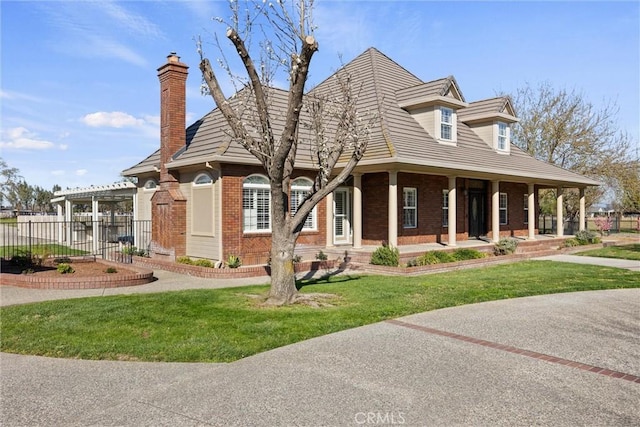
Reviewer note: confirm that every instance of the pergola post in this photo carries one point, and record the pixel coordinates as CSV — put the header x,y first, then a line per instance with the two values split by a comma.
x,y
60,218
68,217
95,207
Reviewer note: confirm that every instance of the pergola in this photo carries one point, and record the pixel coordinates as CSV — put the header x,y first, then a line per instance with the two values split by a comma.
x,y
93,195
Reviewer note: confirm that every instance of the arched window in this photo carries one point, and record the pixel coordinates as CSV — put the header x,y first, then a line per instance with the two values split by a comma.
x,y
202,205
202,179
151,184
300,188
256,204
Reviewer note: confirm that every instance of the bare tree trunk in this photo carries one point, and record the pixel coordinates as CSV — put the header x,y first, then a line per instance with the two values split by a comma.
x,y
283,280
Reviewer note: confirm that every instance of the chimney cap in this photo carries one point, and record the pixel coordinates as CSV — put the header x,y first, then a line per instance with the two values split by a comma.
x,y
173,57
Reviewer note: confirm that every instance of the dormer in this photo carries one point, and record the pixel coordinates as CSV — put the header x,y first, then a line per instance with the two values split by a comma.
x,y
434,105
491,119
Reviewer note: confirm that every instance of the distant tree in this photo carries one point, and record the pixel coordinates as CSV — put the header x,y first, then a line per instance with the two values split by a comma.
x,y
626,185
10,179
563,128
25,196
287,44
42,199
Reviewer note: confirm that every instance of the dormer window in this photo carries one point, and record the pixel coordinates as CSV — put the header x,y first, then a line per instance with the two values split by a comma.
x,y
503,138
446,124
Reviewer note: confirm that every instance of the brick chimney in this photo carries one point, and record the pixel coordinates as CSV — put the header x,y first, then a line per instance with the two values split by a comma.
x,y
173,105
168,204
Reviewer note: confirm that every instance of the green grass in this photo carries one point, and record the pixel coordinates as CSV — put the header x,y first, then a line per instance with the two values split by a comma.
x,y
49,248
223,325
13,221
631,252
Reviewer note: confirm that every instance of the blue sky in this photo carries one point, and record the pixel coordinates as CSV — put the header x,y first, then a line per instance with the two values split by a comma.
x,y
80,97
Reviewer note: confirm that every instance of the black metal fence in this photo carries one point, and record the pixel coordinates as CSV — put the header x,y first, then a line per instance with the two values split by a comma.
x,y
116,240
547,225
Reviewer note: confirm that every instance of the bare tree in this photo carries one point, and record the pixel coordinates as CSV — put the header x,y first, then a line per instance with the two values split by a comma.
x,y
9,185
330,121
563,128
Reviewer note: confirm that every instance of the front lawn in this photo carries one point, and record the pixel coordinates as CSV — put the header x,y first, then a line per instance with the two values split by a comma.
x,y
631,252
228,324
52,249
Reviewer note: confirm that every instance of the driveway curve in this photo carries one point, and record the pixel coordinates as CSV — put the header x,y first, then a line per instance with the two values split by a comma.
x,y
563,359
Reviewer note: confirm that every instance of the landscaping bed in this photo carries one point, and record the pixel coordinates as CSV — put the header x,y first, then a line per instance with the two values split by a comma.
x,y
87,274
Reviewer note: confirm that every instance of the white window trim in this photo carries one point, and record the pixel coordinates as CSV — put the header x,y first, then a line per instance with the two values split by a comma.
x,y
253,186
526,209
505,208
406,207
453,124
445,208
507,136
304,188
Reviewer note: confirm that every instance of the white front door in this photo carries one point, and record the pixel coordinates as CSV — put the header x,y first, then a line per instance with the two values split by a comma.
x,y
341,216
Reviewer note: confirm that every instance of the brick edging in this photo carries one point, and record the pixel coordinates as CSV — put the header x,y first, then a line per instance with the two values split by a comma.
x,y
139,276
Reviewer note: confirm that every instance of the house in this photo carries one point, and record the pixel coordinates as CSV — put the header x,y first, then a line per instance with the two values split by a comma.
x,y
437,169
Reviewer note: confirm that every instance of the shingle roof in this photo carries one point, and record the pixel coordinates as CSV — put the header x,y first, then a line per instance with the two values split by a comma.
x,y
397,138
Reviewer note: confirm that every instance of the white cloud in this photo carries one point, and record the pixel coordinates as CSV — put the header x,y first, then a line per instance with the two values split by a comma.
x,y
131,21
81,172
21,138
115,119
57,172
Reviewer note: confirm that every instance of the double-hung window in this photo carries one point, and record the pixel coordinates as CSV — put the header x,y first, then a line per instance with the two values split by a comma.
x,y
256,204
503,138
526,209
410,207
446,123
300,188
503,208
445,208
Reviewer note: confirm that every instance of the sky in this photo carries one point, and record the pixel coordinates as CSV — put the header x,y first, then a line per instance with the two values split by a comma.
x,y
79,93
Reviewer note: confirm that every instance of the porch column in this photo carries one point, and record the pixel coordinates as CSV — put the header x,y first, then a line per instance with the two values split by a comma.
x,y
583,211
60,222
135,223
329,219
531,207
94,223
453,215
68,216
495,211
357,210
393,208
559,213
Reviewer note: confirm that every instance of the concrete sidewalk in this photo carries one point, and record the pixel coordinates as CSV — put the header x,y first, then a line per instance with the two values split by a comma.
x,y
457,366
605,262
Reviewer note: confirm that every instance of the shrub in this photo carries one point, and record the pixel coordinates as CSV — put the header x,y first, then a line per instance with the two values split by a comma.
x,y
184,260
505,246
62,259
465,254
22,259
321,256
586,237
233,261
111,270
386,255
569,243
64,268
428,258
203,263
39,255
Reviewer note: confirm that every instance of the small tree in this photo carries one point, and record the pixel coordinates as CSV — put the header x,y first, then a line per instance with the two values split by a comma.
x,y
335,128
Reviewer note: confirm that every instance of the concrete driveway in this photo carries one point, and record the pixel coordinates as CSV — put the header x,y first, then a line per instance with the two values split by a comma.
x,y
564,359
